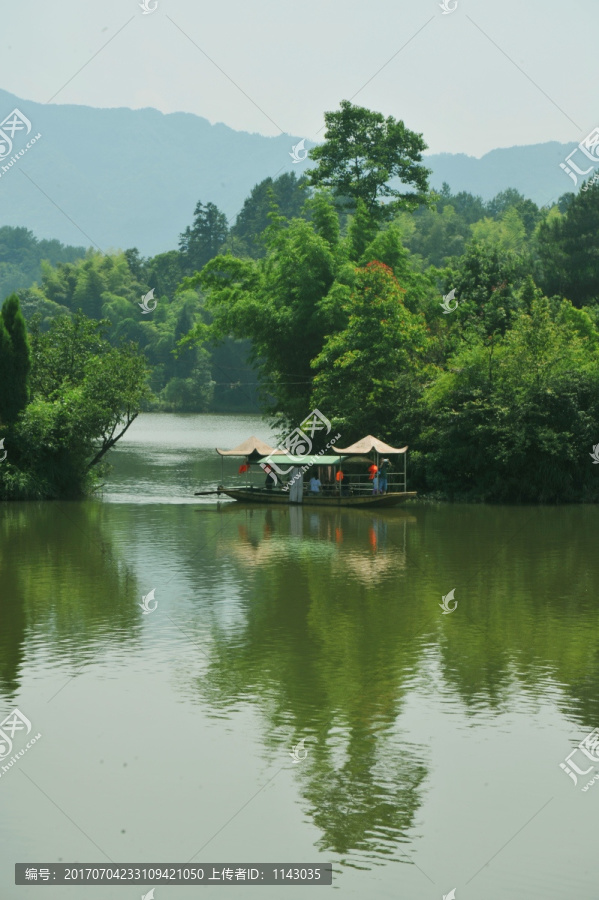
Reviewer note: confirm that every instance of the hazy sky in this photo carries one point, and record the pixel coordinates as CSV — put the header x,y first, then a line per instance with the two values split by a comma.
x,y
277,65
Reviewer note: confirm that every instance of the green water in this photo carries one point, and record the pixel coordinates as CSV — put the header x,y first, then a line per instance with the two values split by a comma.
x,y
432,742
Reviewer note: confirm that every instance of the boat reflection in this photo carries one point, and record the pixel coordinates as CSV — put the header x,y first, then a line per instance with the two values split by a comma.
x,y
363,545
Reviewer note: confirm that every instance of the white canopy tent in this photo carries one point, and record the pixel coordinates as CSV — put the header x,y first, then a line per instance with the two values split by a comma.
x,y
371,444
367,445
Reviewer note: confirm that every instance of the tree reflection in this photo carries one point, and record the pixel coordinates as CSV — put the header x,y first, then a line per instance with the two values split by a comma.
x,y
339,615
329,659
62,585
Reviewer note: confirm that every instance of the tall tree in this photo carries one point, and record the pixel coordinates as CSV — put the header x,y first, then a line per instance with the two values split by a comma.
x,y
282,304
363,152
89,289
16,364
485,281
366,372
467,206
135,262
164,272
569,249
187,358
513,199
284,195
361,231
203,240
6,369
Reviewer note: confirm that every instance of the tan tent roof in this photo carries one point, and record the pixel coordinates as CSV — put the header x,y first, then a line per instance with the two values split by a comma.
x,y
252,445
368,444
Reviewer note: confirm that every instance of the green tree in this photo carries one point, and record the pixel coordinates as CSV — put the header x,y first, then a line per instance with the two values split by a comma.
x,y
118,291
21,256
436,234
485,280
517,427
135,262
15,361
204,239
164,272
365,373
467,206
569,249
321,212
280,303
6,373
362,152
507,232
512,199
89,289
361,231
284,195
563,203
85,395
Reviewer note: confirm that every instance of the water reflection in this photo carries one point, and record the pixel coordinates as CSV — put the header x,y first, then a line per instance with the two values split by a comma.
x,y
359,544
339,620
64,586
326,657
326,623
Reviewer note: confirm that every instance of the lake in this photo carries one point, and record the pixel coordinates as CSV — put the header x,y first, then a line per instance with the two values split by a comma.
x,y
298,694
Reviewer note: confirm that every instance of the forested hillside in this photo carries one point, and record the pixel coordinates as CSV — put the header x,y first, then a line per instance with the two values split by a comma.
x,y
468,329
21,255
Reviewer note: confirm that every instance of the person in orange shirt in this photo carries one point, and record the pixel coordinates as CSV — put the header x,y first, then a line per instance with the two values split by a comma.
x,y
374,478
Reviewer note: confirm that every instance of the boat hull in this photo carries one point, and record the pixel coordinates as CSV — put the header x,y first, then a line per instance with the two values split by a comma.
x,y
366,501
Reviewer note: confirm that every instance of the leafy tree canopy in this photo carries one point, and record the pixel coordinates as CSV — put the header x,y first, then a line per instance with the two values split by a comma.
x,y
568,249
202,241
362,153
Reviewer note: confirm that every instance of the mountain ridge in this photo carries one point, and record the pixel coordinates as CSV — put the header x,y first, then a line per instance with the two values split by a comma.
x,y
120,177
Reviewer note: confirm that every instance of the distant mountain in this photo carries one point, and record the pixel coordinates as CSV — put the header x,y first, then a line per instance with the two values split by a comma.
x,y
122,178
533,170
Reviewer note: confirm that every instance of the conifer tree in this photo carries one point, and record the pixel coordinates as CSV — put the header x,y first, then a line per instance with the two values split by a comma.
x,y
5,371
15,362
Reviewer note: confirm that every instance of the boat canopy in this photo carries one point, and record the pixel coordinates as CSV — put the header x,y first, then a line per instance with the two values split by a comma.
x,y
285,459
253,446
367,445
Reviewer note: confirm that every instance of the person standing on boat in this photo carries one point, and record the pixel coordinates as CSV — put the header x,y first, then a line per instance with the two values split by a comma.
x,y
315,485
383,472
374,477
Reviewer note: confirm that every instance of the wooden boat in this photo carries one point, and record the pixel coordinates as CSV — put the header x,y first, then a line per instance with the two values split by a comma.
x,y
359,494
274,498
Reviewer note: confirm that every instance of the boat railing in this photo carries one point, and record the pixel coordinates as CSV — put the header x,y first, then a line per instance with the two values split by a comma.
x,y
361,485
